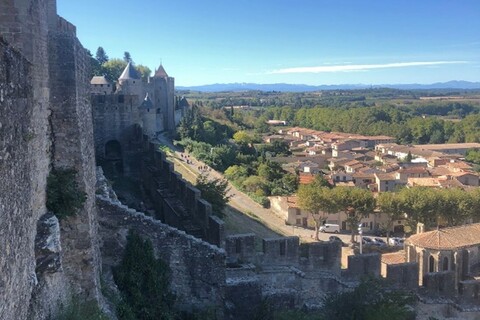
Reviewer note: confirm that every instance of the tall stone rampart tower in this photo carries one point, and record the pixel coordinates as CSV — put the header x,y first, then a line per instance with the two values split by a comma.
x,y
45,123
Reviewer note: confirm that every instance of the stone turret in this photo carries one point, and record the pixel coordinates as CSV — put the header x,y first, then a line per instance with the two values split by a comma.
x,y
152,119
130,81
163,96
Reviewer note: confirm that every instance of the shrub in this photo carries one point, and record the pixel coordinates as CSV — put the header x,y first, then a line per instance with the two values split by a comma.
x,y
77,310
143,283
64,197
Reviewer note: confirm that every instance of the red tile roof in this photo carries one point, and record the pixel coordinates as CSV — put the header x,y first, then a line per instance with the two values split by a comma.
x,y
394,257
448,238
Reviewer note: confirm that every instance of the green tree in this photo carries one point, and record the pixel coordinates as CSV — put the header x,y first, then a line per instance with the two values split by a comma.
x,y
390,204
318,201
236,173
143,282
371,300
214,191
455,206
127,57
64,197
473,155
113,68
420,205
254,183
221,157
289,183
101,55
357,203
144,71
242,138
409,157
95,66
280,148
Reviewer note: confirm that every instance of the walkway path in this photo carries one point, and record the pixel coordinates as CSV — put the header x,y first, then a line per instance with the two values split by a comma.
x,y
242,203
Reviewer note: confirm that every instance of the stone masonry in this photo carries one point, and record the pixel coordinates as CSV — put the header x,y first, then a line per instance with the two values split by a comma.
x,y
45,122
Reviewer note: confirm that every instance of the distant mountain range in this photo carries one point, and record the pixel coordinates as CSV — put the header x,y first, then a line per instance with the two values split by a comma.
x,y
285,87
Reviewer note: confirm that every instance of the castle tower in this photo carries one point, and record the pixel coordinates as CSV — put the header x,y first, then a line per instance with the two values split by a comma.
x,y
164,97
130,82
152,120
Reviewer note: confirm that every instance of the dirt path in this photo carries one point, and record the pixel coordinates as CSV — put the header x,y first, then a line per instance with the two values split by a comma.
x,y
244,214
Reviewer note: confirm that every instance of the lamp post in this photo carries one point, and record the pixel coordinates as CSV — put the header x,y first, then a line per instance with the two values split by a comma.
x,y
360,232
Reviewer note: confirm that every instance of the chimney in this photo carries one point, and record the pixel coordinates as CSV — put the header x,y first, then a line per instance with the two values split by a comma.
x,y
420,228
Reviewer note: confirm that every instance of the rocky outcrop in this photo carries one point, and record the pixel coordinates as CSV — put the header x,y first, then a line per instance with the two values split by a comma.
x,y
47,245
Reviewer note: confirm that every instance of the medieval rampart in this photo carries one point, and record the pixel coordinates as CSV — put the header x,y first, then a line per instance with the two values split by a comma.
x,y
45,123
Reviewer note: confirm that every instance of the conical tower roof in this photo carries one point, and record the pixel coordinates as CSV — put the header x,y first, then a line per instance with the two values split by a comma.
x,y
161,73
147,103
129,73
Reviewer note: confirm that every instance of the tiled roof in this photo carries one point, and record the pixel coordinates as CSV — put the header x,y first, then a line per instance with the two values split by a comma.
x,y
458,165
129,73
385,176
413,170
161,73
449,146
99,80
448,238
423,182
306,178
394,257
439,171
292,201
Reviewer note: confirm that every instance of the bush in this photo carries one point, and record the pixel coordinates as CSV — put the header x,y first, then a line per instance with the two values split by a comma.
x,y
77,310
143,283
64,197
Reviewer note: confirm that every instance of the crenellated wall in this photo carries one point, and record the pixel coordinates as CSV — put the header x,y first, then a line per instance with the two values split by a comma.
x,y
176,201
197,267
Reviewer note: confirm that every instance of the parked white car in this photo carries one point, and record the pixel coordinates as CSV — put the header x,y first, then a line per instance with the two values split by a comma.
x,y
395,241
332,228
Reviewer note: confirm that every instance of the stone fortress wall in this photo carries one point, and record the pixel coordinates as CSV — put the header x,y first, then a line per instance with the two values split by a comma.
x,y
284,272
45,123
197,267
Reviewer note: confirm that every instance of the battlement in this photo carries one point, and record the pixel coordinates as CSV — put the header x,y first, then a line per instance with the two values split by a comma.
x,y
198,267
176,201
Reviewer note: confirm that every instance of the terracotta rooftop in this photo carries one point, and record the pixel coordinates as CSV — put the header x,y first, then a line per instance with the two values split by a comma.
x,y
448,238
413,170
451,183
439,171
306,178
448,146
423,182
292,201
385,176
458,165
394,257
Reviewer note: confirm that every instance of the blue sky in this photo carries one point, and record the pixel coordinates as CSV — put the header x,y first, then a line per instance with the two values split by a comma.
x,y
288,41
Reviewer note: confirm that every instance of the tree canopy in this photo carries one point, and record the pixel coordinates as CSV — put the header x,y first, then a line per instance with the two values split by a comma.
x,y
214,191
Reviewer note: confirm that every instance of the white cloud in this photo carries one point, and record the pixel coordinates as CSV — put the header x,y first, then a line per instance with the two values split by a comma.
x,y
361,67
